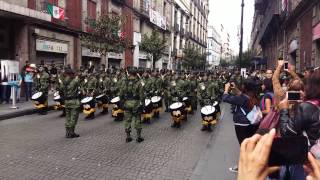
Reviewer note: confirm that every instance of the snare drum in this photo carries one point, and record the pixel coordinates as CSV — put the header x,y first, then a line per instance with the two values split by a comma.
x,y
208,112
156,101
102,98
176,109
88,102
38,98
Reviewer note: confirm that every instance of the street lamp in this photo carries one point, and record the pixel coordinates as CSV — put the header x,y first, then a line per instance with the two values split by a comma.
x,y
241,36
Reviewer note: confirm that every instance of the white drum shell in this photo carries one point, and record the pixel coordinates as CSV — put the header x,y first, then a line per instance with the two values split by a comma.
x,y
175,105
86,100
208,110
115,100
155,99
36,95
147,102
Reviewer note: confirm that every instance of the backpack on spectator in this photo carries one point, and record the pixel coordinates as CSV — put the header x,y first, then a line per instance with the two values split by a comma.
x,y
254,116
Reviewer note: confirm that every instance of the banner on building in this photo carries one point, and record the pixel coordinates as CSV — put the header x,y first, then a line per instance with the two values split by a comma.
x,y
157,19
56,12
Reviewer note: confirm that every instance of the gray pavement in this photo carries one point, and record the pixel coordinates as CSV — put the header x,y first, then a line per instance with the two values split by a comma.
x,y
24,108
222,151
34,147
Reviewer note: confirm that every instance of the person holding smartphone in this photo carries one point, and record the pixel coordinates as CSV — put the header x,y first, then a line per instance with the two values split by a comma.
x,y
295,84
244,98
306,118
254,156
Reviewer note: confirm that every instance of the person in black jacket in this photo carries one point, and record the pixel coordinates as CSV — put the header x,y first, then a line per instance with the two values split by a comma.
x,y
244,99
306,116
305,120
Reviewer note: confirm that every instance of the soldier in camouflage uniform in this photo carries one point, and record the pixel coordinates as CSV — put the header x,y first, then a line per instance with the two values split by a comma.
x,y
42,85
91,90
132,95
166,89
177,92
60,78
70,86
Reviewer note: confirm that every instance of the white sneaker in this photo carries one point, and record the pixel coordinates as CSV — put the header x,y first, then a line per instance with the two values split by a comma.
x,y
234,169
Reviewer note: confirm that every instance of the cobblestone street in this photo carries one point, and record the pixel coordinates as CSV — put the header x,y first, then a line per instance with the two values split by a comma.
x,y
34,147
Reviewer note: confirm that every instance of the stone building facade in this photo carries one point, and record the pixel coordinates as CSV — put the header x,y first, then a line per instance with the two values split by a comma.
x,y
288,29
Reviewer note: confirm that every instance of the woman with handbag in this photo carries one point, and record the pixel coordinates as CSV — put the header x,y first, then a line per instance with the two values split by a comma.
x,y
244,99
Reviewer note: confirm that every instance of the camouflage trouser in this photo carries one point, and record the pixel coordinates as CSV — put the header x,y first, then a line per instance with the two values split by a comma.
x,y
194,102
132,115
72,115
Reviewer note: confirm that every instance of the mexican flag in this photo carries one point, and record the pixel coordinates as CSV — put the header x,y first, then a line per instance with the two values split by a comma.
x,y
56,12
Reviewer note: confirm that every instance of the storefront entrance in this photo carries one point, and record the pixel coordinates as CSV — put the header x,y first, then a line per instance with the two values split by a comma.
x,y
114,63
49,58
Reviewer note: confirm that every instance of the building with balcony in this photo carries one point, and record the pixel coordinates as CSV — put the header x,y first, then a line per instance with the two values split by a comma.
x,y
288,29
213,47
189,19
46,31
151,15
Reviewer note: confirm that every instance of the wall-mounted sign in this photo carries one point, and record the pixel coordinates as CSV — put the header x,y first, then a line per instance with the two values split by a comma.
x,y
179,53
114,55
143,55
88,53
50,46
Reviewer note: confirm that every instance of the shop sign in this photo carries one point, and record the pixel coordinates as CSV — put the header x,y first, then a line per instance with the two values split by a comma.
x,y
50,46
143,55
88,53
179,53
114,55
316,32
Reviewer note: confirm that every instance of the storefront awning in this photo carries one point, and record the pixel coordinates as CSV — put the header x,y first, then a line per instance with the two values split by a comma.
x,y
316,32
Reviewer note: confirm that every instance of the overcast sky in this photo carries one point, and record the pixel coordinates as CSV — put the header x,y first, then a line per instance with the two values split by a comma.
x,y
228,13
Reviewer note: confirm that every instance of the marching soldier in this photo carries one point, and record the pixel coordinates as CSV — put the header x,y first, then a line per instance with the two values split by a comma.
x,y
132,95
91,90
70,85
42,85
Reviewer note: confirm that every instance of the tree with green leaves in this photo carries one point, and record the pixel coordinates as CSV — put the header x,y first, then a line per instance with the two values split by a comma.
x,y
104,34
192,59
247,58
154,45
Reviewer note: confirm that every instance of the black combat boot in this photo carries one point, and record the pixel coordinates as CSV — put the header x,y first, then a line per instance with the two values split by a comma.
x,y
73,134
129,138
209,128
139,138
68,132
174,125
104,111
204,127
63,113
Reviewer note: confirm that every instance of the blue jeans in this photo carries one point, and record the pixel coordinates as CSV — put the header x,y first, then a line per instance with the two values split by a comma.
x,y
28,90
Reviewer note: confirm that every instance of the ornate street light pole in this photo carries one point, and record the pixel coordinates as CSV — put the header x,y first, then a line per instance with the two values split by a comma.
x,y
241,35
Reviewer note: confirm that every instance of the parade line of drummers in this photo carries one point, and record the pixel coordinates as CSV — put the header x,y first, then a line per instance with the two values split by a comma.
x,y
134,95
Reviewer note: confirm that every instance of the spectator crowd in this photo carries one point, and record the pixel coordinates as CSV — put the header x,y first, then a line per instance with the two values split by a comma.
x,y
266,97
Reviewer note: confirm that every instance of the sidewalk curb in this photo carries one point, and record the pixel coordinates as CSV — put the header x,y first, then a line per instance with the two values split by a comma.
x,y
21,113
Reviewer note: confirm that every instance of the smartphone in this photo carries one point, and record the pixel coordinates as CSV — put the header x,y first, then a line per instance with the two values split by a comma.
x,y
286,66
288,151
293,95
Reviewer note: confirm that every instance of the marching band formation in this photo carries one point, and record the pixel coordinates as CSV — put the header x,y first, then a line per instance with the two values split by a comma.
x,y
133,95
